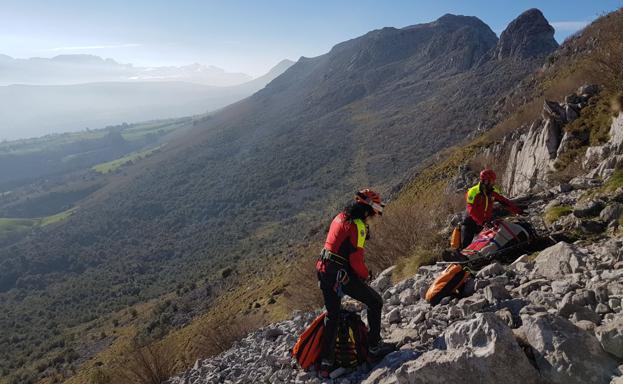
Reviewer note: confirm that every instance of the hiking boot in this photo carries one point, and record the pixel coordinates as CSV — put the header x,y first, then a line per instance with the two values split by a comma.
x,y
325,369
381,349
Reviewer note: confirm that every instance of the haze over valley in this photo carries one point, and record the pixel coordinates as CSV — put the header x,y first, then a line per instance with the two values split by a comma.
x,y
77,92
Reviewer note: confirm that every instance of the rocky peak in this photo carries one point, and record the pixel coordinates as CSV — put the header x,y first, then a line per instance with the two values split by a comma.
x,y
528,36
460,20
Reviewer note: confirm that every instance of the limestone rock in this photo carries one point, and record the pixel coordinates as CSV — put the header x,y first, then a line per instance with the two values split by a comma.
x,y
611,212
591,226
566,353
588,208
595,155
559,260
495,293
482,348
611,337
384,279
408,296
491,270
527,287
394,316
531,157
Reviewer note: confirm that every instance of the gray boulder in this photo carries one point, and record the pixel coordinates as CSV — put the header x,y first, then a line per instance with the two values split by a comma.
x,y
495,293
408,296
559,260
565,353
588,208
591,226
594,155
529,286
491,270
611,212
394,316
383,280
617,380
611,337
481,349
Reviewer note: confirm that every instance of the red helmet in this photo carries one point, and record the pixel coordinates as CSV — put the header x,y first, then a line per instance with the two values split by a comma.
x,y
371,198
488,175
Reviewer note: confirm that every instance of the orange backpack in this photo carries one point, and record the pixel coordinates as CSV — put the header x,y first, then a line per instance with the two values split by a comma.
x,y
448,283
309,345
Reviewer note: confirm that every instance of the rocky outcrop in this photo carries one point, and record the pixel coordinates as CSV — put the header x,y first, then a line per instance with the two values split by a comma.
x,y
603,159
534,153
531,157
529,35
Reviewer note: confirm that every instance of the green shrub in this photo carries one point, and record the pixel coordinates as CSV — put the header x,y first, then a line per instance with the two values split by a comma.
x,y
615,181
555,213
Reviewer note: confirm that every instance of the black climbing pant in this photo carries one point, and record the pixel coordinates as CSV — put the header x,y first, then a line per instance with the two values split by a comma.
x,y
469,228
356,289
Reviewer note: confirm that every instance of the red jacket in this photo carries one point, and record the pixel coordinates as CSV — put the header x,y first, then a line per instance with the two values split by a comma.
x,y
347,239
480,206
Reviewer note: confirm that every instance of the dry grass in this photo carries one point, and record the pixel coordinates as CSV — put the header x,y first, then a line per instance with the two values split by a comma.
x,y
517,118
151,364
305,292
408,234
221,332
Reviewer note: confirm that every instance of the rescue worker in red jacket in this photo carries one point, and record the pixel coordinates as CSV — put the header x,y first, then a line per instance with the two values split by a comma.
x,y
341,270
480,199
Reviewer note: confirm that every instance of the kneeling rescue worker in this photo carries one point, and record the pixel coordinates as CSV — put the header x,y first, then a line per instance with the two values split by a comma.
x,y
480,199
341,270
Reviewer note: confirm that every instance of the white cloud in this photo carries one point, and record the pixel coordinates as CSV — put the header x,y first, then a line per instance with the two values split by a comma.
x,y
569,26
88,47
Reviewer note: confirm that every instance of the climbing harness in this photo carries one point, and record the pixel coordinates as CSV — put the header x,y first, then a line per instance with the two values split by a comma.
x,y
341,280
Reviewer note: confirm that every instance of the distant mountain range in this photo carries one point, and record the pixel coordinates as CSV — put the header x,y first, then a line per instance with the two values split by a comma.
x,y
78,69
36,110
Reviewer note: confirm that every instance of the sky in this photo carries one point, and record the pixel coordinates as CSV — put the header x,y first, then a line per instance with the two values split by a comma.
x,y
241,35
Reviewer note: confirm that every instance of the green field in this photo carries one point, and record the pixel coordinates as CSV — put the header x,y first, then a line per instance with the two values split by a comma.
x,y
39,144
20,224
115,164
10,224
130,132
139,131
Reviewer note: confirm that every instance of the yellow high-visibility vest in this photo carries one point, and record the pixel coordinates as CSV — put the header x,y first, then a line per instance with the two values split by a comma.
x,y
361,232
